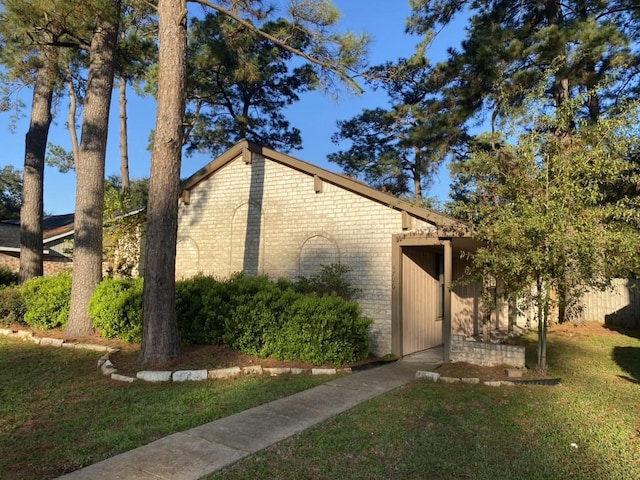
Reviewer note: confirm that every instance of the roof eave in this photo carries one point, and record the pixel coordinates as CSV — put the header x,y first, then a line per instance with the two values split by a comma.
x,y
450,226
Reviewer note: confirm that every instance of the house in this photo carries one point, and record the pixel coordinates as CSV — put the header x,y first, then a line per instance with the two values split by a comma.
x,y
262,212
57,243
122,259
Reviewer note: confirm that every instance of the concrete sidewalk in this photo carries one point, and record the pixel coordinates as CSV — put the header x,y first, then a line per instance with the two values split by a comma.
x,y
202,450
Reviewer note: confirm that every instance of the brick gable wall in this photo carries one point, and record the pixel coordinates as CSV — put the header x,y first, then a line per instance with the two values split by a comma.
x,y
266,218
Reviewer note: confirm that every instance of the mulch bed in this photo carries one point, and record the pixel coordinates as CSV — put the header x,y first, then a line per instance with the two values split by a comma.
x,y
196,357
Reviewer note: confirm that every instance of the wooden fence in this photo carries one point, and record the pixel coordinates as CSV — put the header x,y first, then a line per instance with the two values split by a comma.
x,y
619,306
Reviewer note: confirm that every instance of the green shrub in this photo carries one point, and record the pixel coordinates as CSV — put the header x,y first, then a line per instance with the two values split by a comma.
x,y
323,329
7,277
12,306
202,304
116,309
47,300
332,280
256,313
252,314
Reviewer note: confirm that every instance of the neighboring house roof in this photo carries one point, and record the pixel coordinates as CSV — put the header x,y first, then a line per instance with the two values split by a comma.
x,y
446,224
57,227
53,226
56,230
9,237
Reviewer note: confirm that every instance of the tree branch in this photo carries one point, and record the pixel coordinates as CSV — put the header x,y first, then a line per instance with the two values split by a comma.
x,y
335,67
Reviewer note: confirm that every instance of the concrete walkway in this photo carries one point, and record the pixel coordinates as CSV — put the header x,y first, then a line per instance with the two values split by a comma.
x,y
202,450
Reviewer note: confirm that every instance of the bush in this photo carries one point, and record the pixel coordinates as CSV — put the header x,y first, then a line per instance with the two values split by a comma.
x,y
202,304
252,314
116,309
332,280
47,300
273,319
257,315
323,329
7,277
12,306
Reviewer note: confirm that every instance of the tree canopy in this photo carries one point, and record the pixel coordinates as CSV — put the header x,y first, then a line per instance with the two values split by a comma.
x,y
399,149
10,192
538,198
239,84
551,190
512,45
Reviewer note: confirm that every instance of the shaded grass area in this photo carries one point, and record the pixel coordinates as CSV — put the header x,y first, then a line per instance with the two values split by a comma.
x,y
587,428
58,413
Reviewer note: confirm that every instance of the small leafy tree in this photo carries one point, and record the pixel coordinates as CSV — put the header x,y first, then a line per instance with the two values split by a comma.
x,y
543,206
331,280
10,190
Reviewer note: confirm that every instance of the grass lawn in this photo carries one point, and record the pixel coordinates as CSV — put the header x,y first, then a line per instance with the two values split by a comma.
x,y
587,428
58,413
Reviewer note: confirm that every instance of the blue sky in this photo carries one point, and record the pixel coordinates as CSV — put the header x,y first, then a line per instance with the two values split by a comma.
x,y
315,115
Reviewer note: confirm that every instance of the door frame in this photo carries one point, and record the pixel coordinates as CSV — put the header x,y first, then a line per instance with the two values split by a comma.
x,y
406,240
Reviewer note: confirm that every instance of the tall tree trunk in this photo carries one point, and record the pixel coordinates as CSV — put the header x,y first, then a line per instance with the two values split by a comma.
x,y
417,177
71,118
543,314
124,139
417,187
160,339
31,211
87,252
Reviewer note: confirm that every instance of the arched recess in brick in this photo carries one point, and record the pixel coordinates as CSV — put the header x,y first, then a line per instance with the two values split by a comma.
x,y
247,242
187,258
317,250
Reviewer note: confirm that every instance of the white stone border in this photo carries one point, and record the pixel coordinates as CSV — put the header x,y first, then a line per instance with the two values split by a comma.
x,y
216,374
435,377
54,342
107,367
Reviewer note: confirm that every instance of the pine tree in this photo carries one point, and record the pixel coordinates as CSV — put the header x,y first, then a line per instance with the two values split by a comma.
x,y
239,84
329,52
399,149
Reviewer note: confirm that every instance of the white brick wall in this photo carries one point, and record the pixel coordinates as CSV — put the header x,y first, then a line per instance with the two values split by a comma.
x,y
297,230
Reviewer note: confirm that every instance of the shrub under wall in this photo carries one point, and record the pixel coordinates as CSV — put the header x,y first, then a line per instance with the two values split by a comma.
x,y
7,277
252,314
116,309
258,314
323,329
47,300
202,304
12,308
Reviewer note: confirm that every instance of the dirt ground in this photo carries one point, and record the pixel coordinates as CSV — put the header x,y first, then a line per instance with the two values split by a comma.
x,y
217,356
192,357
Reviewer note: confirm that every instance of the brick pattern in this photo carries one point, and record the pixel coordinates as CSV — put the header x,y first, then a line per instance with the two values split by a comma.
x,y
486,354
51,267
266,218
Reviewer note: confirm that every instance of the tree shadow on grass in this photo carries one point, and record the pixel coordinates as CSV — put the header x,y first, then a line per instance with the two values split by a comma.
x,y
628,358
629,332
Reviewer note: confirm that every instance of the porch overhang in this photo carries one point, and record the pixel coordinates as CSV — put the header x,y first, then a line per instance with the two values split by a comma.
x,y
450,244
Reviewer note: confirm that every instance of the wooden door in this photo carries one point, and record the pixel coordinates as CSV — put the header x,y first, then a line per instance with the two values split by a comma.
x,y
421,303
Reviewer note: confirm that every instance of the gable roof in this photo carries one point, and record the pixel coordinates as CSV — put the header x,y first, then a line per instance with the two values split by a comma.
x,y
247,149
54,227
9,236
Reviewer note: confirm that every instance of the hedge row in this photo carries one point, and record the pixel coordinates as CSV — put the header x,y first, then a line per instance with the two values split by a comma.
x,y
252,314
42,302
